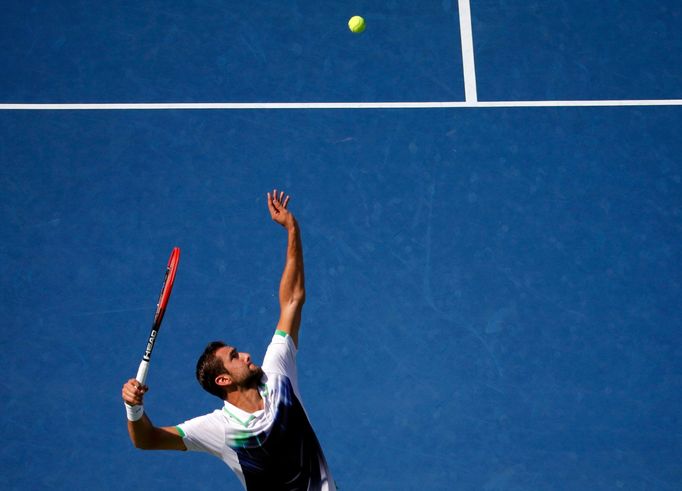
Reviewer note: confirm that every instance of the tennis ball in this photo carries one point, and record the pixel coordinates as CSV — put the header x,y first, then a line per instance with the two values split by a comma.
x,y
356,24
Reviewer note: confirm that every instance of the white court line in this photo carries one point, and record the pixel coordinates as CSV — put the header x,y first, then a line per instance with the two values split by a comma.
x,y
470,90
333,105
468,65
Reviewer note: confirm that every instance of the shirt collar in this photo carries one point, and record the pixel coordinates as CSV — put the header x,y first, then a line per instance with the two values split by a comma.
x,y
243,417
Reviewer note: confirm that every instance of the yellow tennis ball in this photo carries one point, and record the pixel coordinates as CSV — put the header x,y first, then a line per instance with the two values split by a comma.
x,y
356,24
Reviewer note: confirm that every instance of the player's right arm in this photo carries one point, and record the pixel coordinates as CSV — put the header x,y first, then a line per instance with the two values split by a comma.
x,y
143,433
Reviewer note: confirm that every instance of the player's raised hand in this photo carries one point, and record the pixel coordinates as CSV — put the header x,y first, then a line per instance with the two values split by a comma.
x,y
133,392
277,204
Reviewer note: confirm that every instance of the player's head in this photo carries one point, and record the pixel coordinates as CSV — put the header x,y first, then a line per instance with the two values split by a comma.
x,y
221,368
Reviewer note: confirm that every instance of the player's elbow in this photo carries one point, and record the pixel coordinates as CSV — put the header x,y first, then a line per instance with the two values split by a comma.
x,y
143,442
145,446
292,306
293,298
140,444
298,298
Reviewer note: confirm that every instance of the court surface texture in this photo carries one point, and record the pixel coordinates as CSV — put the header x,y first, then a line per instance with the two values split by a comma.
x,y
490,200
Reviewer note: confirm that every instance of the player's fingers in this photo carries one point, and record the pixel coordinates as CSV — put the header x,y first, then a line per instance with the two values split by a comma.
x,y
134,388
271,205
128,396
136,397
134,383
286,201
133,401
281,195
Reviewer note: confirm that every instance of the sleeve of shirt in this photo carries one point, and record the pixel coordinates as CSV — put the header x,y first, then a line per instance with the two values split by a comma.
x,y
204,433
280,358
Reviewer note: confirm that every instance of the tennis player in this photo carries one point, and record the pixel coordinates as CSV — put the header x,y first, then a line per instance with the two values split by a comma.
x,y
262,431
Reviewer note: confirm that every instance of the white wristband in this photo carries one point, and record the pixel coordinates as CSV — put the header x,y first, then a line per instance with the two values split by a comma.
x,y
134,412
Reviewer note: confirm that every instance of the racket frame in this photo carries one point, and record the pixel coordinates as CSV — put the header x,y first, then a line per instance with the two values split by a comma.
x,y
166,289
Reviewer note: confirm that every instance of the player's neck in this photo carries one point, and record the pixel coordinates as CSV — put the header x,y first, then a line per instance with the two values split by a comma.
x,y
246,398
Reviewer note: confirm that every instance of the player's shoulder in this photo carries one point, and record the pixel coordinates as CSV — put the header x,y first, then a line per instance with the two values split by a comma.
x,y
283,339
280,356
205,433
282,344
215,417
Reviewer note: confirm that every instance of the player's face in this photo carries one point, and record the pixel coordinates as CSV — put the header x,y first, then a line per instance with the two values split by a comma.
x,y
239,365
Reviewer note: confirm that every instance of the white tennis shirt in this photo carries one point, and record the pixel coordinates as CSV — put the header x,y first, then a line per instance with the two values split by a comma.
x,y
274,448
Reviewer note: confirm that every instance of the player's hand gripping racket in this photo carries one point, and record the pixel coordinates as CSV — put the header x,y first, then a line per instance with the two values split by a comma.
x,y
166,289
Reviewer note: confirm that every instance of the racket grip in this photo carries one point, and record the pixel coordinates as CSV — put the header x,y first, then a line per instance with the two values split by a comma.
x,y
142,372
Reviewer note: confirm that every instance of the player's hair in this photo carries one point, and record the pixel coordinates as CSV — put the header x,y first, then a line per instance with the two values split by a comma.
x,y
209,366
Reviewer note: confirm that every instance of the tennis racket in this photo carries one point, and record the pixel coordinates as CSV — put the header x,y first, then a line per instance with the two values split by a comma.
x,y
166,289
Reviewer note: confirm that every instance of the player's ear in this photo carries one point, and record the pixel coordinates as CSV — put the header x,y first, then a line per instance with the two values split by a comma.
x,y
223,380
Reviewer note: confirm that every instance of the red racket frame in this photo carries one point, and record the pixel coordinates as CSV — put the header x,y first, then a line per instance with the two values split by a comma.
x,y
166,289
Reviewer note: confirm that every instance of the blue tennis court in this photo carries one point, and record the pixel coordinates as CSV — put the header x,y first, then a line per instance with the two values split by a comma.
x,y
492,292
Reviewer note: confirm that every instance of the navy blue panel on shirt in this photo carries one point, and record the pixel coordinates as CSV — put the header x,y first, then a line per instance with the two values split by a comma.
x,y
289,457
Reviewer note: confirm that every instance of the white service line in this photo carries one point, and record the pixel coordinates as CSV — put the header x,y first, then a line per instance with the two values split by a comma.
x,y
582,103
330,105
466,33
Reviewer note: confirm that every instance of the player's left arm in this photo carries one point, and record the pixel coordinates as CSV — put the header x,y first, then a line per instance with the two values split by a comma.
x,y
292,284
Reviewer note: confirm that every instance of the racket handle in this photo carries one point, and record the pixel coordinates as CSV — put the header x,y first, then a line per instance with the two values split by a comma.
x,y
142,372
